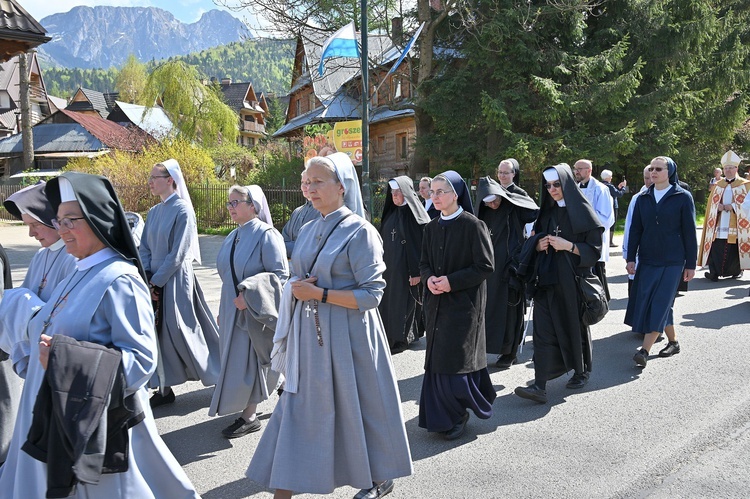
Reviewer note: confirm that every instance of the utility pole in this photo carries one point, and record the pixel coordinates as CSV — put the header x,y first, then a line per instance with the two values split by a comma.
x,y
365,111
27,134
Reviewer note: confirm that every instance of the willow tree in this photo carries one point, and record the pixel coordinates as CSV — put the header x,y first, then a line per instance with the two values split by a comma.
x,y
195,107
131,80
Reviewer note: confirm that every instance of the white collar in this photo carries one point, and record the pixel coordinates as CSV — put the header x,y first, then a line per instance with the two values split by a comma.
x,y
57,245
95,259
452,215
561,203
170,197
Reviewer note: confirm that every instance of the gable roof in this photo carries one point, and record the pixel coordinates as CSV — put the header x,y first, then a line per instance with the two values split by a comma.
x,y
53,137
153,120
19,32
109,133
95,101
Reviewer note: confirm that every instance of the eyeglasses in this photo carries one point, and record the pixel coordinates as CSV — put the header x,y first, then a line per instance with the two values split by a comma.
x,y
504,173
66,222
438,192
151,178
556,185
235,202
656,168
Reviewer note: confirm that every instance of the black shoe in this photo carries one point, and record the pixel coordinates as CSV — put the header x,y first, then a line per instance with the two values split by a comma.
x,y
505,361
737,276
577,381
672,348
376,490
532,392
659,338
158,399
641,357
240,428
458,429
711,277
399,347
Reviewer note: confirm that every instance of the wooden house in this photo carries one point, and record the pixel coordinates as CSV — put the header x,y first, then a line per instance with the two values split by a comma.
x,y
250,108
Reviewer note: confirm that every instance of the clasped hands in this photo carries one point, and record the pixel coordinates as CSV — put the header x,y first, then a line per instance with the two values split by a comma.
x,y
557,243
438,285
725,207
305,289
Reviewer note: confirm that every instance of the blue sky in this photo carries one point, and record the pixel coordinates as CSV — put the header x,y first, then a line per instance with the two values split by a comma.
x,y
187,11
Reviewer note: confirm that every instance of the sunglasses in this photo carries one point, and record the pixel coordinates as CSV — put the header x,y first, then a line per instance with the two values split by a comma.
x,y
556,185
656,168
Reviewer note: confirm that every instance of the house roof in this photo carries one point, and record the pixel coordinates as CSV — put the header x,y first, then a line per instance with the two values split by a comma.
x,y
8,120
112,134
57,103
234,94
96,102
19,32
53,137
152,120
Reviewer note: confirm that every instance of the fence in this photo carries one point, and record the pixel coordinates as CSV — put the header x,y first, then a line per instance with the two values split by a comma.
x,y
209,202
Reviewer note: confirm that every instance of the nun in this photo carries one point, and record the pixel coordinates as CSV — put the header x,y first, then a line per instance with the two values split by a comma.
x,y
253,268
567,242
299,217
188,334
505,213
49,265
662,237
455,263
401,227
339,420
105,301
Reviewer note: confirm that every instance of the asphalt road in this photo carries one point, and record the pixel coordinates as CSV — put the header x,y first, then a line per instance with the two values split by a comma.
x,y
678,428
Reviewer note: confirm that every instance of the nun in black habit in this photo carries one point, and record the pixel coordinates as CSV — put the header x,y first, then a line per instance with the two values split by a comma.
x,y
456,260
567,242
505,215
401,227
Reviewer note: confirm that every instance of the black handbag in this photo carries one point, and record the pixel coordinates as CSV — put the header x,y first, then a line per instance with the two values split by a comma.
x,y
592,300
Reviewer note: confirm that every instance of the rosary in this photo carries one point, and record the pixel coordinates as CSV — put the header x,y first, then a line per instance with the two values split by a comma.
x,y
43,282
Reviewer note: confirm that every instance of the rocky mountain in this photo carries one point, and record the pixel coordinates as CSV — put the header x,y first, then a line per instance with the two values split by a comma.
x,y
101,37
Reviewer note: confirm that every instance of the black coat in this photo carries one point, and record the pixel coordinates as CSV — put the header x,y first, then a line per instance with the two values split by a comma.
x,y
454,322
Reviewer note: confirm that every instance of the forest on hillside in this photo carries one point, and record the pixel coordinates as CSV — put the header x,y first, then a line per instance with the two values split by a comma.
x,y
265,62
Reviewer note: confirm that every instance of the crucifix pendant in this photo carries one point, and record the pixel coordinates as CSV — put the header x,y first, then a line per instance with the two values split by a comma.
x,y
557,231
308,309
393,235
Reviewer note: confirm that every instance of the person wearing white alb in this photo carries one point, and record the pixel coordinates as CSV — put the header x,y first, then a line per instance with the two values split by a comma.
x,y
600,198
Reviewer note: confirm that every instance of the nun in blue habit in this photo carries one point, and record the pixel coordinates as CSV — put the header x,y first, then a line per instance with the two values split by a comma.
x,y
457,258
662,236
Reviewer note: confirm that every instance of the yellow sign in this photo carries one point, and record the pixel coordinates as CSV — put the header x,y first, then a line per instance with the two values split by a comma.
x,y
347,137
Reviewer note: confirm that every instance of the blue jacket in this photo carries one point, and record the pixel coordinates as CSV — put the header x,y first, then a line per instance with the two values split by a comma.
x,y
664,233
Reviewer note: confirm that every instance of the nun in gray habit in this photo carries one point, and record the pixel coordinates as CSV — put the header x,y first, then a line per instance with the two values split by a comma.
x,y
252,265
339,420
50,265
401,227
188,333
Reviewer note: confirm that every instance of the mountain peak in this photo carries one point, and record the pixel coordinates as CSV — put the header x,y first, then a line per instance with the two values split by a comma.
x,y
104,36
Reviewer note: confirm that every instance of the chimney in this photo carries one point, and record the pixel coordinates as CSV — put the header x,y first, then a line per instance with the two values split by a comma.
x,y
397,31
226,81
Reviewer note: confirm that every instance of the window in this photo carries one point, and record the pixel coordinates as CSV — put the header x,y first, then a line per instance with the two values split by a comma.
x,y
312,101
402,149
297,107
380,145
250,118
397,92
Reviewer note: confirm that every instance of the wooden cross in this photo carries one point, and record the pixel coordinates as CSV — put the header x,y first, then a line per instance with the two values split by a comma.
x,y
393,235
308,309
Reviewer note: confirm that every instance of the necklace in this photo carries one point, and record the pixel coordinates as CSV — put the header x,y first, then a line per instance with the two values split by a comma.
x,y
63,297
43,282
